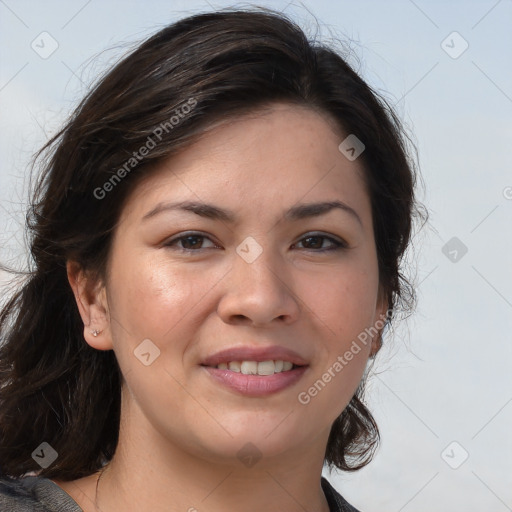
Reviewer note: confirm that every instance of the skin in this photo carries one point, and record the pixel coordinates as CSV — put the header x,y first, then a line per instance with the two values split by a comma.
x,y
180,430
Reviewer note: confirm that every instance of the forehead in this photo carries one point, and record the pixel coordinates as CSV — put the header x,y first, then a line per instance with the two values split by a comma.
x,y
261,162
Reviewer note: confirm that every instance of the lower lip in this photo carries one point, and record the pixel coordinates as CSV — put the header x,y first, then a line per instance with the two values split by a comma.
x,y
256,385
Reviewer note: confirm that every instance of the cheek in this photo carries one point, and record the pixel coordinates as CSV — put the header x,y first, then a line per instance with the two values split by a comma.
x,y
329,390
154,298
343,301
148,298
344,308
151,286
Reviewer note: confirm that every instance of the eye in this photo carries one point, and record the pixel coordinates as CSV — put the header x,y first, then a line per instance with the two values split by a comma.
x,y
189,242
315,242
194,242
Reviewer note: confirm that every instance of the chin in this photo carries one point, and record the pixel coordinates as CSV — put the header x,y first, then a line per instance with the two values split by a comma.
x,y
263,437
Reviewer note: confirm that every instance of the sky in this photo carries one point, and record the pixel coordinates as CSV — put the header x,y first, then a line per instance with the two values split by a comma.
x,y
442,387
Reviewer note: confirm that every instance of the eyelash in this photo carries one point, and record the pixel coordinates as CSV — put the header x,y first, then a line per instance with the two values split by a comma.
x,y
338,244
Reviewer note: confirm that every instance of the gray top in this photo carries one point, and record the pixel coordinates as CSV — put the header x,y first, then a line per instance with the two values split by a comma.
x,y
38,494
34,494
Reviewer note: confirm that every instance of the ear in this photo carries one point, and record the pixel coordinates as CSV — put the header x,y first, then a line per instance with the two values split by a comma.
x,y
91,299
381,311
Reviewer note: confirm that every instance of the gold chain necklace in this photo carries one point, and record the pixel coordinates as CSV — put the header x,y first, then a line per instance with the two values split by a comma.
x,y
96,506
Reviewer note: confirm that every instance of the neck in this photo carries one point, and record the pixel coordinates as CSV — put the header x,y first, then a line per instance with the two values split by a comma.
x,y
230,490
149,472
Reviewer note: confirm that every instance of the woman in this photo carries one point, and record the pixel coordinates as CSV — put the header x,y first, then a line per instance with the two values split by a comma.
x,y
216,236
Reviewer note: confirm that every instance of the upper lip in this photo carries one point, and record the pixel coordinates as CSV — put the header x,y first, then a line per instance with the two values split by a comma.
x,y
258,354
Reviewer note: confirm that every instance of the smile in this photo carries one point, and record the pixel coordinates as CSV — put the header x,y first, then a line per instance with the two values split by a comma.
x,y
255,384
256,368
255,371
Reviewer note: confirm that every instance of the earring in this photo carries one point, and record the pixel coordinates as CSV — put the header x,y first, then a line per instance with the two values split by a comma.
x,y
95,332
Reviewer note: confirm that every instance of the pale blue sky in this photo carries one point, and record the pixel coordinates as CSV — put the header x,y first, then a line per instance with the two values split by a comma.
x,y
446,375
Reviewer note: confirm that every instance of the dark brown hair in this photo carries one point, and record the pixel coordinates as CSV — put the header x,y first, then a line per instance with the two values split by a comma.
x,y
53,386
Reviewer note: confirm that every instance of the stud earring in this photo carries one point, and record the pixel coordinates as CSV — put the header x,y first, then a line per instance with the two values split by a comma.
x,y
95,332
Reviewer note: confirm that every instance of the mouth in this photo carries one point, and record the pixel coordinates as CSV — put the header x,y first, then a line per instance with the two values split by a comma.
x,y
255,372
263,368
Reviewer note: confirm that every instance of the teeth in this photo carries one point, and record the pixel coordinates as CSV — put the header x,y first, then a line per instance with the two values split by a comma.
x,y
249,368
234,366
266,368
257,368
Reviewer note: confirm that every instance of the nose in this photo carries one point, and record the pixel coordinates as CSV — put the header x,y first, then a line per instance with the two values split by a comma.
x,y
259,293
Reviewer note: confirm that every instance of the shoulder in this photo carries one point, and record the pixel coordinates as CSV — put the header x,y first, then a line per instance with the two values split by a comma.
x,y
337,503
34,494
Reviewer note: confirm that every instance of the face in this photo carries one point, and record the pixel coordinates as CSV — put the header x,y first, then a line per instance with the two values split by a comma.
x,y
254,245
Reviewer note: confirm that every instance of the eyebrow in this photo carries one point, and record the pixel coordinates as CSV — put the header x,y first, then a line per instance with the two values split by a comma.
x,y
298,212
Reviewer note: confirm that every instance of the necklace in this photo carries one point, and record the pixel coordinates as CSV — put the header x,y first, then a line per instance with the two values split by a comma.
x,y
96,506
